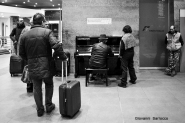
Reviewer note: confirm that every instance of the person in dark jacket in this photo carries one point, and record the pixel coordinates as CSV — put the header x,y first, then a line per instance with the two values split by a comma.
x,y
173,37
99,54
126,54
15,34
36,47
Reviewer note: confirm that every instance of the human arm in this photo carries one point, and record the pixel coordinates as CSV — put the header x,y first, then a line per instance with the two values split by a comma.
x,y
110,53
12,35
121,48
57,46
166,41
181,40
22,50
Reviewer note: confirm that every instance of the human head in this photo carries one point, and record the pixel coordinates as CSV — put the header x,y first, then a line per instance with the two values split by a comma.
x,y
172,29
38,19
20,23
103,38
127,29
46,24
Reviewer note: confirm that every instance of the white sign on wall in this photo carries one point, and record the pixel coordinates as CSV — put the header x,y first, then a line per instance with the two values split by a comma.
x,y
182,13
99,20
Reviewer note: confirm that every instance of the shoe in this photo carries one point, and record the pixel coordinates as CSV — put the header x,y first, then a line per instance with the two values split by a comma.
x,y
133,82
29,87
122,85
91,77
40,113
173,73
50,108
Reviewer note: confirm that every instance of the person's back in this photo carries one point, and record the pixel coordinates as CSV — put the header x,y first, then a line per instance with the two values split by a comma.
x,y
36,47
38,51
100,52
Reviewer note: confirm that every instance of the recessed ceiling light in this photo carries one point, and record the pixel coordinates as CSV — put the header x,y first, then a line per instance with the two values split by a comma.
x,y
3,2
59,4
53,5
24,2
51,0
15,5
28,0
36,3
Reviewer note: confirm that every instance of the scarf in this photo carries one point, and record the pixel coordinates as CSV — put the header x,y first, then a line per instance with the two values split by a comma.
x,y
129,40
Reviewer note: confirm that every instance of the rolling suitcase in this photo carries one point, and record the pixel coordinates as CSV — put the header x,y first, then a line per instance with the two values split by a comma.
x,y
58,63
69,96
16,65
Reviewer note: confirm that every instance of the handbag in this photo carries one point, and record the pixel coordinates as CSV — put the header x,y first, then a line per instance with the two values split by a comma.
x,y
25,75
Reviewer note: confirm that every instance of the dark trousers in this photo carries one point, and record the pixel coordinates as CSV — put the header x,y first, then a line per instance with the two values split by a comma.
x,y
29,87
127,63
37,85
15,48
173,60
94,67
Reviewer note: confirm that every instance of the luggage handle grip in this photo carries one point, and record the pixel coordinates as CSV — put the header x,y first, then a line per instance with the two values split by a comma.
x,y
63,72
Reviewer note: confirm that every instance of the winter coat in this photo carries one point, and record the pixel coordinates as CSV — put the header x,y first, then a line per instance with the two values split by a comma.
x,y
36,47
99,54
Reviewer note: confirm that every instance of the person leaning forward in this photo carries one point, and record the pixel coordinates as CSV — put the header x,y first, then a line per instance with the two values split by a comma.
x,y
36,47
99,54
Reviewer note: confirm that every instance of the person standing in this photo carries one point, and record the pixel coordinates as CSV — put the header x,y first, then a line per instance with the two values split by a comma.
x,y
26,29
36,47
126,54
174,41
16,32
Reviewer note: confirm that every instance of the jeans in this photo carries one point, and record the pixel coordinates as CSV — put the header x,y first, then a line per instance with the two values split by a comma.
x,y
127,63
37,85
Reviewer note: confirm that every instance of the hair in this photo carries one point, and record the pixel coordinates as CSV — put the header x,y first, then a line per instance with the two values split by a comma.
x,y
127,29
38,19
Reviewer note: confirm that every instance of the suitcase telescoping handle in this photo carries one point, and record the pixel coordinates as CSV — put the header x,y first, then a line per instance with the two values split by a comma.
x,y
64,62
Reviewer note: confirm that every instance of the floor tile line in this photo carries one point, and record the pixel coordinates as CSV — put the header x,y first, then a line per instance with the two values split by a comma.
x,y
120,104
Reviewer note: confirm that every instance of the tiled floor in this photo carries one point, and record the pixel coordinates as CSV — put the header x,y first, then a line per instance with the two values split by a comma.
x,y
154,95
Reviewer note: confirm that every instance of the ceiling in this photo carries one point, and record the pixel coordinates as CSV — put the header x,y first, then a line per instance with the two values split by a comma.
x,y
32,4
